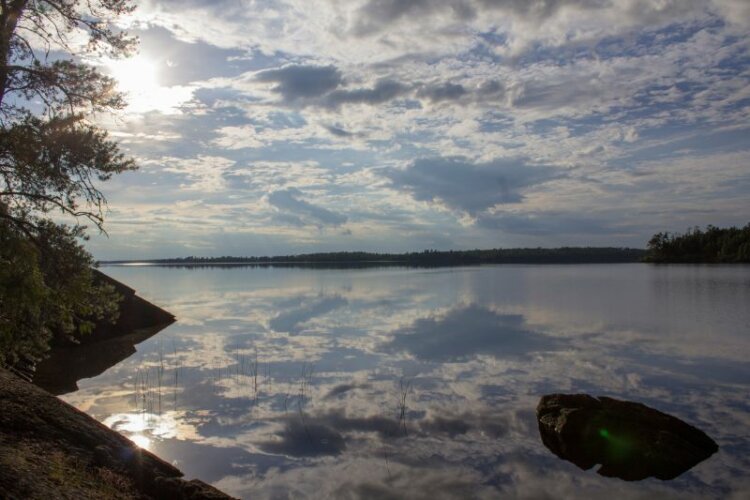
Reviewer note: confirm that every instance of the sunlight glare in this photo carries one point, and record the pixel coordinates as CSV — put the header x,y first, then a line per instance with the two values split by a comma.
x,y
145,429
138,78
141,441
135,75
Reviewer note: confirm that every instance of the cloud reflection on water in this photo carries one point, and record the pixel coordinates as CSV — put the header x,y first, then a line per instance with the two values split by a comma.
x,y
323,412
469,331
293,319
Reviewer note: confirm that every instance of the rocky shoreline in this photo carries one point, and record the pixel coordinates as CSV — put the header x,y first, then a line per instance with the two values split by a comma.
x,y
49,449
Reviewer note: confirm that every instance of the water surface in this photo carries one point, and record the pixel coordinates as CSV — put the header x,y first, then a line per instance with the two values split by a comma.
x,y
422,383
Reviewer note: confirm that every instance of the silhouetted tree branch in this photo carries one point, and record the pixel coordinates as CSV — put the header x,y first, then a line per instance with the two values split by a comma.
x,y
52,158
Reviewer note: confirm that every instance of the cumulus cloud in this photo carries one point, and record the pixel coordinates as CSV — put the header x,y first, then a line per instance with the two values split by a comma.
x,y
425,26
736,12
443,92
526,22
491,88
325,86
301,81
383,91
466,186
376,15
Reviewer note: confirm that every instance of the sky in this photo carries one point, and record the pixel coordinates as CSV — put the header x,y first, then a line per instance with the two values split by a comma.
x,y
266,127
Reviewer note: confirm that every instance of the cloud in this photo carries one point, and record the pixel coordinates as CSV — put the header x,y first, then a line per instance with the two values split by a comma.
x,y
337,131
323,86
528,21
353,31
547,224
735,12
176,60
384,90
540,9
301,81
379,14
443,92
466,186
376,15
544,122
288,200
491,89
204,173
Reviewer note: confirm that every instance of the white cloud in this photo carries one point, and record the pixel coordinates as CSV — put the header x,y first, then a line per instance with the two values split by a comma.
x,y
204,174
621,101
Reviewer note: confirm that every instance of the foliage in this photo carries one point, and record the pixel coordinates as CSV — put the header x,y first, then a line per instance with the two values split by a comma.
x,y
51,159
46,290
53,164
714,245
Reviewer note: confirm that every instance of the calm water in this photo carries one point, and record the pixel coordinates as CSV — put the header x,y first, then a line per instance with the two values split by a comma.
x,y
417,383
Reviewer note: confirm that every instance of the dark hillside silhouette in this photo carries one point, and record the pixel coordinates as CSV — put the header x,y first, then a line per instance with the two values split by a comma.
x,y
565,255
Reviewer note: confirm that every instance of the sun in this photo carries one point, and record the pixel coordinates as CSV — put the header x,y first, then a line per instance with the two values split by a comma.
x,y
136,75
139,79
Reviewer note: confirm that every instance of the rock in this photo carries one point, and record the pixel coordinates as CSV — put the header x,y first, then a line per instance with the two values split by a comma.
x,y
169,488
630,440
136,313
49,449
107,345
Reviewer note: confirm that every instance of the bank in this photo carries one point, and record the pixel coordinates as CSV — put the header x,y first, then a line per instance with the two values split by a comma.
x,y
50,449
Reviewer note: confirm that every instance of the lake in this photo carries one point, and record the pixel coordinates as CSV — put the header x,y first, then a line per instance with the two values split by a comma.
x,y
422,383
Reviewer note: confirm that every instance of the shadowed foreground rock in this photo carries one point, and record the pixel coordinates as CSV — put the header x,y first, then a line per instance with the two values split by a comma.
x,y
630,440
135,312
48,449
106,346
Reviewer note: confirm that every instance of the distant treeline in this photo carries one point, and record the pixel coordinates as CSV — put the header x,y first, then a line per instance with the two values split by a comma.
x,y
565,255
714,245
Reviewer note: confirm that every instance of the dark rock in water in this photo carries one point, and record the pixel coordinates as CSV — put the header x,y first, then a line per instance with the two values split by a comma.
x,y
630,440
135,313
106,346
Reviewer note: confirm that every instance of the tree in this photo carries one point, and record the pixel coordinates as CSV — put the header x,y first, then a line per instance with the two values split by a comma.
x,y
714,245
51,158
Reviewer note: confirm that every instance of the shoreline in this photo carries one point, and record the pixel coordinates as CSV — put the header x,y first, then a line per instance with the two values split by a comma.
x,y
50,449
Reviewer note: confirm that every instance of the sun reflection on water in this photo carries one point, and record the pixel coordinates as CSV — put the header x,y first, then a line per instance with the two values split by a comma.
x,y
141,440
144,429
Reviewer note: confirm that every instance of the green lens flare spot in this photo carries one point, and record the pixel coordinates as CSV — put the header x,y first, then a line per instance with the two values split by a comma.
x,y
604,433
